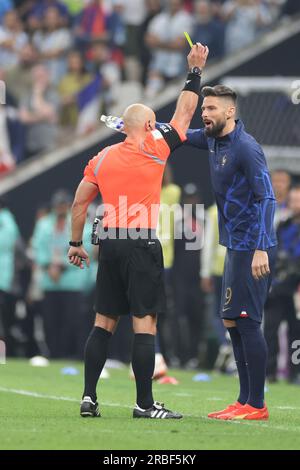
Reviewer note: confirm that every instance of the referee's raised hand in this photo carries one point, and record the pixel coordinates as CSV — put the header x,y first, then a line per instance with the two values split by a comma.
x,y
77,255
197,56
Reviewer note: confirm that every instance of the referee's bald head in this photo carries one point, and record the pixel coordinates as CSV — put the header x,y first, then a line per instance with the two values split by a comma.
x,y
138,117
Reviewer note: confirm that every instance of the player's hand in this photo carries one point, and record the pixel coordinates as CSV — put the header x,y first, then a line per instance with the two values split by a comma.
x,y
207,285
197,56
77,255
260,264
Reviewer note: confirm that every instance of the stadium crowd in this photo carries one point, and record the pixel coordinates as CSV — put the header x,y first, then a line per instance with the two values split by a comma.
x,y
63,61
46,305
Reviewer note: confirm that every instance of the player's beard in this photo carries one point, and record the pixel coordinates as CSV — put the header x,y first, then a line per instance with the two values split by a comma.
x,y
216,129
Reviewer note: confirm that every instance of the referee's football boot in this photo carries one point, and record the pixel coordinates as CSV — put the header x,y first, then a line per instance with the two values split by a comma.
x,y
157,411
89,409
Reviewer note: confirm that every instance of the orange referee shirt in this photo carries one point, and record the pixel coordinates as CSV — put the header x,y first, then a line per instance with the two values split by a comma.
x,y
129,177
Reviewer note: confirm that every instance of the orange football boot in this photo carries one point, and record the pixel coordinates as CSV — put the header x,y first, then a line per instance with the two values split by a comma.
x,y
228,409
247,412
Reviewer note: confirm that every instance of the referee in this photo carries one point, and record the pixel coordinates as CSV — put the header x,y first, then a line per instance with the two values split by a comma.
x,y
130,275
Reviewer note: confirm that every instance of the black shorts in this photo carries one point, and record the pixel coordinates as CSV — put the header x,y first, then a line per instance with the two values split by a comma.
x,y
242,295
130,277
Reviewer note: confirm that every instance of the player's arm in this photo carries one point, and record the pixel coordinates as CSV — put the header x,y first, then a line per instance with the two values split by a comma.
x,y
196,138
253,165
188,99
85,194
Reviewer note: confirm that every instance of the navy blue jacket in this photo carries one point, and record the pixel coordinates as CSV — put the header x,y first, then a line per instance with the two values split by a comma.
x,y
242,186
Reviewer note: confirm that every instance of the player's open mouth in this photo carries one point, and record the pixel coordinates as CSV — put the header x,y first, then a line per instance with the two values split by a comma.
x,y
208,123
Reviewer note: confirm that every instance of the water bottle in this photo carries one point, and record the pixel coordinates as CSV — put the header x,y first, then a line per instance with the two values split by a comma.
x,y
113,122
95,236
97,225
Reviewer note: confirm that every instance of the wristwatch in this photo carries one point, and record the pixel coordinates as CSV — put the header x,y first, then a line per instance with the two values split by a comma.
x,y
76,244
196,71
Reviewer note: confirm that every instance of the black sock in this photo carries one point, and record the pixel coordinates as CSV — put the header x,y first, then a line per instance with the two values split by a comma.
x,y
241,365
143,359
95,355
255,349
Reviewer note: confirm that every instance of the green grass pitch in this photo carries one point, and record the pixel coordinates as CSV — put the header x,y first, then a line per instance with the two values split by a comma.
x,y
39,409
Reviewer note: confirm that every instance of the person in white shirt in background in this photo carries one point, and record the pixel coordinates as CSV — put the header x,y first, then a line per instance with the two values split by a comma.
x,y
12,40
167,43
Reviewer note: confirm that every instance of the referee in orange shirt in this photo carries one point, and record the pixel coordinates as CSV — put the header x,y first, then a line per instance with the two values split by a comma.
x,y
130,275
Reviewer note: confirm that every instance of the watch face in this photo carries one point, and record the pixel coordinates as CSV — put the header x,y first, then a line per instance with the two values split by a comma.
x,y
196,70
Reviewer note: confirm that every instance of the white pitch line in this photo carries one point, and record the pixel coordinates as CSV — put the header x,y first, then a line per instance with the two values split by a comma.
x,y
54,397
287,407
36,395
183,394
119,405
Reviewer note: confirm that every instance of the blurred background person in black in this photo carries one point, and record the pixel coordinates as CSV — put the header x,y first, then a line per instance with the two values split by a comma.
x,y
281,301
281,182
188,328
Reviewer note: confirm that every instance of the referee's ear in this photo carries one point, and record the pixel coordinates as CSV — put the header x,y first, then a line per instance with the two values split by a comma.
x,y
148,126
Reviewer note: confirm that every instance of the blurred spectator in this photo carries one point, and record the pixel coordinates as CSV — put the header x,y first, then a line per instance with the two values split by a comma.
x,y
38,9
92,24
189,5
167,44
12,40
281,182
103,64
153,9
7,160
75,80
274,7
208,30
62,283
116,27
5,6
19,78
88,101
39,113
53,44
280,305
12,144
34,298
9,235
245,20
134,14
212,267
33,26
188,297
75,8
170,197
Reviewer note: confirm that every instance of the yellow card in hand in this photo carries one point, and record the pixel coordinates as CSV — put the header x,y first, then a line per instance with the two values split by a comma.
x,y
188,39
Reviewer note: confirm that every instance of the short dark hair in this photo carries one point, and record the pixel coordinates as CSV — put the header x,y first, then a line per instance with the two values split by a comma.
x,y
220,91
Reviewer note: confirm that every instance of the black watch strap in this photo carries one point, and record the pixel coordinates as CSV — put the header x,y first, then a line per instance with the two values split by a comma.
x,y
76,244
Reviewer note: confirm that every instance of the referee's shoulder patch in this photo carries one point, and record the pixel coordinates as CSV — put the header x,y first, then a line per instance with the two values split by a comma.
x,y
157,135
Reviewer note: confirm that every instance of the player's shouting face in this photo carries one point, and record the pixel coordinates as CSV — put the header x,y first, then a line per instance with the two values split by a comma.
x,y
216,111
